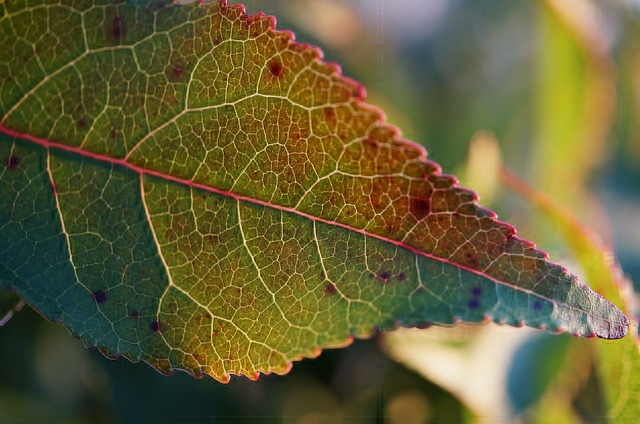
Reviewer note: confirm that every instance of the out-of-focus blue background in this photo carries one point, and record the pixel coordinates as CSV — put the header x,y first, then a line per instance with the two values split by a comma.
x,y
557,84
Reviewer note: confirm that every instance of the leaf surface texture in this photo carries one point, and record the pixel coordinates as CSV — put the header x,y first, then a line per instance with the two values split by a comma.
x,y
187,186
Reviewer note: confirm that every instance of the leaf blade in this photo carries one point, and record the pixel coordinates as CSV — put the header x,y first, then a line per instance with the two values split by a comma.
x,y
194,185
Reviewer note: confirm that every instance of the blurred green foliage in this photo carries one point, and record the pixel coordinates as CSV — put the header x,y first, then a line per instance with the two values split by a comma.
x,y
561,97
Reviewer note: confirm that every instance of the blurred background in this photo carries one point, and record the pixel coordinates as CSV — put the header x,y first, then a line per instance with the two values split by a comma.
x,y
548,89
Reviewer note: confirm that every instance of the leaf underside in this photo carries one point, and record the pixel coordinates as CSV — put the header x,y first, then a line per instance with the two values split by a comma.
x,y
187,186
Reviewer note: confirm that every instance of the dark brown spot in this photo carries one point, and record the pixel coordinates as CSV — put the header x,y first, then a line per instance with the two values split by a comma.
x,y
420,207
13,162
330,289
402,277
113,134
116,30
275,67
100,296
133,314
81,123
155,326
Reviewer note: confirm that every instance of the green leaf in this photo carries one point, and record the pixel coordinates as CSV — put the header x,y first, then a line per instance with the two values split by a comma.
x,y
184,185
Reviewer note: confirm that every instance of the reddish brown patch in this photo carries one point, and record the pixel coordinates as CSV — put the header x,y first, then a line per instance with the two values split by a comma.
x,y
275,67
402,277
81,123
471,258
329,114
330,289
371,143
249,19
113,134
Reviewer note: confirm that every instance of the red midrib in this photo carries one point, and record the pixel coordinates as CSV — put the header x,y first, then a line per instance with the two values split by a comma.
x,y
138,169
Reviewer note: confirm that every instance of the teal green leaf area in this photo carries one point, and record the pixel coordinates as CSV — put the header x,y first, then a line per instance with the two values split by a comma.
x,y
187,186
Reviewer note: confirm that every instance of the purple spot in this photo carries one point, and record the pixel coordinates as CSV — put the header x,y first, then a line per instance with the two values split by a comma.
x,y
116,30
99,296
537,306
13,162
177,73
385,275
155,326
402,277
476,291
473,304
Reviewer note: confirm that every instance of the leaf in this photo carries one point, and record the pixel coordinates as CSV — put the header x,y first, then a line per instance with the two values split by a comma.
x,y
184,185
